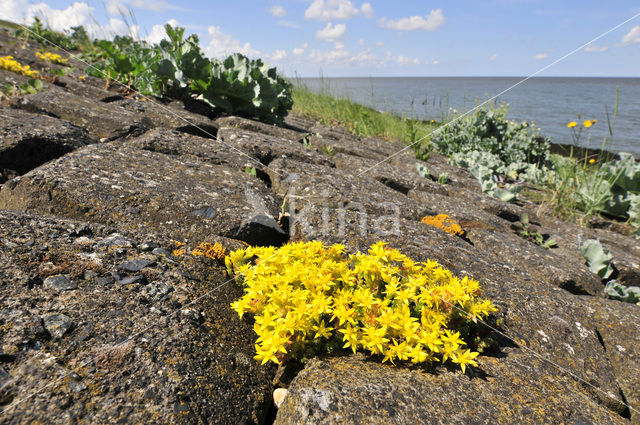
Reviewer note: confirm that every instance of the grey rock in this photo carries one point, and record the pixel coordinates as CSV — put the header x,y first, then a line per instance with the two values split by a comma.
x,y
165,188
107,280
76,386
29,140
114,241
148,246
129,348
135,265
57,324
160,251
59,283
99,119
123,279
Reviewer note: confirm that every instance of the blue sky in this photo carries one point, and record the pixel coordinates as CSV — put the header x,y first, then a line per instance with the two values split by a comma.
x,y
379,38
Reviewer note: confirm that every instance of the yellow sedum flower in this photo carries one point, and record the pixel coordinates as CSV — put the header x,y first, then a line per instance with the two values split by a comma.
x,y
52,57
10,64
444,222
572,124
588,123
305,294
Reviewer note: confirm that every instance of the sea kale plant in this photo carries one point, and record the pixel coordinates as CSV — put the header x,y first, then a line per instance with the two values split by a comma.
x,y
495,150
178,68
307,298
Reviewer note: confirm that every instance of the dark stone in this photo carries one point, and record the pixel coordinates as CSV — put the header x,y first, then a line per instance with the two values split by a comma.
x,y
57,324
113,241
100,120
6,358
29,140
59,283
135,265
160,251
205,212
148,246
123,279
103,281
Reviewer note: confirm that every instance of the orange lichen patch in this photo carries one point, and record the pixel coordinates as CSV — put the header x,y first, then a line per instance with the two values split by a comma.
x,y
214,251
444,222
179,251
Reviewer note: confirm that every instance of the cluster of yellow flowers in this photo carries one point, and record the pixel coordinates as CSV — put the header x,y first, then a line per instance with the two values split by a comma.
x,y
52,57
585,123
10,64
382,302
444,222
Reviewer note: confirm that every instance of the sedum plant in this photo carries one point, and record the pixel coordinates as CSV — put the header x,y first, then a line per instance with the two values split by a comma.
x,y
306,296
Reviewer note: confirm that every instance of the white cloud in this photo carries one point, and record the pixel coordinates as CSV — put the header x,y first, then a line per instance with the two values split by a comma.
x,y
541,56
61,19
278,55
331,33
289,24
300,50
329,57
436,62
327,10
361,42
364,58
633,37
404,60
115,8
158,32
221,45
367,10
13,10
379,43
594,48
121,7
278,11
431,22
493,57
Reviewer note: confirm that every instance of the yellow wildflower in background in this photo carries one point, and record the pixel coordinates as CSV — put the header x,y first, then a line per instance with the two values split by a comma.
x,y
444,222
572,124
52,57
10,64
305,295
588,123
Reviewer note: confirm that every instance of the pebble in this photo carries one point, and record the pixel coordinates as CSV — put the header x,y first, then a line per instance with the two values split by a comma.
x,y
59,283
279,395
206,212
135,265
76,387
115,240
127,280
160,251
57,324
148,246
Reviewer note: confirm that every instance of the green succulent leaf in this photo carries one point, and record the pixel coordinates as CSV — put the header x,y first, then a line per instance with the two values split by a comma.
x,y
599,260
